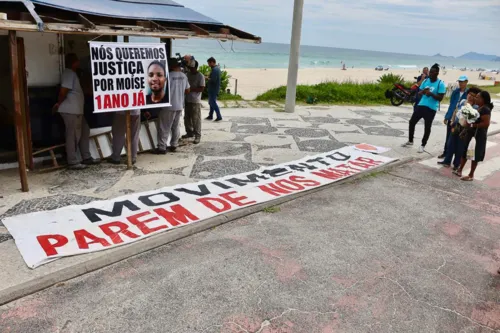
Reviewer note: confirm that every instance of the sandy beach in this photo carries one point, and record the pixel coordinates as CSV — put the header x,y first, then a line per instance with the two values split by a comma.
x,y
252,82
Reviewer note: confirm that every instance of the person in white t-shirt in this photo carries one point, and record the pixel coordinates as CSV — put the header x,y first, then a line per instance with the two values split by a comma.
x,y
169,117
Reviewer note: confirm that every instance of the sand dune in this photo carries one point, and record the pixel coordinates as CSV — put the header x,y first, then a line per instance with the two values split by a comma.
x,y
252,82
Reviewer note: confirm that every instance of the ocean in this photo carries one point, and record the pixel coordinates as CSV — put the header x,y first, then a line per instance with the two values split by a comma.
x,y
271,55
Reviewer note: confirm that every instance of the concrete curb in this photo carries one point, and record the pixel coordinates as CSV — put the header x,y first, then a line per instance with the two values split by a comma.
x,y
121,253
494,132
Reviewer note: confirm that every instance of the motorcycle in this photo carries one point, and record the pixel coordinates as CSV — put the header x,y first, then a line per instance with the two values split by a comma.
x,y
401,94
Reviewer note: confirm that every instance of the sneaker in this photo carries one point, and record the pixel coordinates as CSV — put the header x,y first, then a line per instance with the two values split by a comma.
x,y
187,136
218,119
421,149
209,118
444,164
407,144
90,161
196,140
159,151
112,161
78,166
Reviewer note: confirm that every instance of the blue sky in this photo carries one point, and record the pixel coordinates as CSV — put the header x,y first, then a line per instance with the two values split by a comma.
x,y
449,27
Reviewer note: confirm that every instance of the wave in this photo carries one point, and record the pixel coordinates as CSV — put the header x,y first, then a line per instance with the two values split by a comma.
x,y
407,66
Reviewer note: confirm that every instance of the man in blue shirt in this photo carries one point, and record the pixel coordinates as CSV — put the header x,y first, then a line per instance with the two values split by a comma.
x,y
456,96
432,91
213,89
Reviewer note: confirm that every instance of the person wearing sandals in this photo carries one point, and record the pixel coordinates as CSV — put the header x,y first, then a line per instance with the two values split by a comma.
x,y
479,131
455,145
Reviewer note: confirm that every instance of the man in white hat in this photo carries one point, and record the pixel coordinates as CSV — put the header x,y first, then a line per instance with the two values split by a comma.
x,y
456,96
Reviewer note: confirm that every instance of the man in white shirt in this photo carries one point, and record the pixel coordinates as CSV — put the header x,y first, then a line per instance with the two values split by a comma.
x,y
70,107
192,113
169,117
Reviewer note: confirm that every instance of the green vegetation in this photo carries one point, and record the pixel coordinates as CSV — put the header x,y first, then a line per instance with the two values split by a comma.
x,y
224,83
228,97
491,89
334,93
272,210
390,78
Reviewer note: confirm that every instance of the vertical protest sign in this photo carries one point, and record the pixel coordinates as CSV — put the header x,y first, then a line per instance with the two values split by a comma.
x,y
129,76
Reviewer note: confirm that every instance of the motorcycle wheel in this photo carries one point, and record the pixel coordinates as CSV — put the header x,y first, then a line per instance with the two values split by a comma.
x,y
396,101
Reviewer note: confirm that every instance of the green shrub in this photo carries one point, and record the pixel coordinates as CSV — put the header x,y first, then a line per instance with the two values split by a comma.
x,y
223,96
391,78
334,93
224,79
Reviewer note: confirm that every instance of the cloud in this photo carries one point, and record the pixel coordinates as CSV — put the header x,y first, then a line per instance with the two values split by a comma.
x,y
422,27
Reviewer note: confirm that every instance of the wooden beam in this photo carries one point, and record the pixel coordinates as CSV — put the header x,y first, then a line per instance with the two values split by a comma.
x,y
28,146
129,130
77,29
199,30
16,96
86,22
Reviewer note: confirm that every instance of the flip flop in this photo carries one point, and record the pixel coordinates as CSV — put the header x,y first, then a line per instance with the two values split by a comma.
x,y
467,179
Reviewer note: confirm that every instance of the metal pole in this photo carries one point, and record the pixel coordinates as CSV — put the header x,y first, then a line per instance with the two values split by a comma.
x,y
16,86
236,86
293,64
129,130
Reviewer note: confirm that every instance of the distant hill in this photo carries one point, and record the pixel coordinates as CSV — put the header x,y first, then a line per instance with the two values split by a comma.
x,y
442,56
479,56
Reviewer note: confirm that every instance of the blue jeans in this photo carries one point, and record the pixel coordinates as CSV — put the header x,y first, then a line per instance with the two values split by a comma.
x,y
455,146
212,101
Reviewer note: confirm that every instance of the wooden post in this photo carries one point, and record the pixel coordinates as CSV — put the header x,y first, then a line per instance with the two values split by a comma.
x,y
235,86
28,146
129,130
16,86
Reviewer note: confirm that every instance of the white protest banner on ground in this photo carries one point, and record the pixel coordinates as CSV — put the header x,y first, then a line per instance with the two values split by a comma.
x,y
44,236
128,76
371,148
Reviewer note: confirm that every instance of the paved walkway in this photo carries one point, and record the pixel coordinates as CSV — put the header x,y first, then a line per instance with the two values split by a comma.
x,y
247,139
413,250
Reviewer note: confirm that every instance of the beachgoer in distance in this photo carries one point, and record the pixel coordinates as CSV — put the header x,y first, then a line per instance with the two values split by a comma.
x,y
169,117
157,82
479,131
192,114
457,95
455,143
214,81
432,91
70,106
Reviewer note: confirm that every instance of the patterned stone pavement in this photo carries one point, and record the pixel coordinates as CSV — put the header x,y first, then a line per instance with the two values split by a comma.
x,y
246,139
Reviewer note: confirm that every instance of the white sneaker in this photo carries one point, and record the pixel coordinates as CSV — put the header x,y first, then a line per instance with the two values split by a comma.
x,y
407,144
421,149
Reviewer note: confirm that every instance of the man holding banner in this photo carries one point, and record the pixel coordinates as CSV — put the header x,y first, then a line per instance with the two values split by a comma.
x,y
118,130
169,117
129,77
